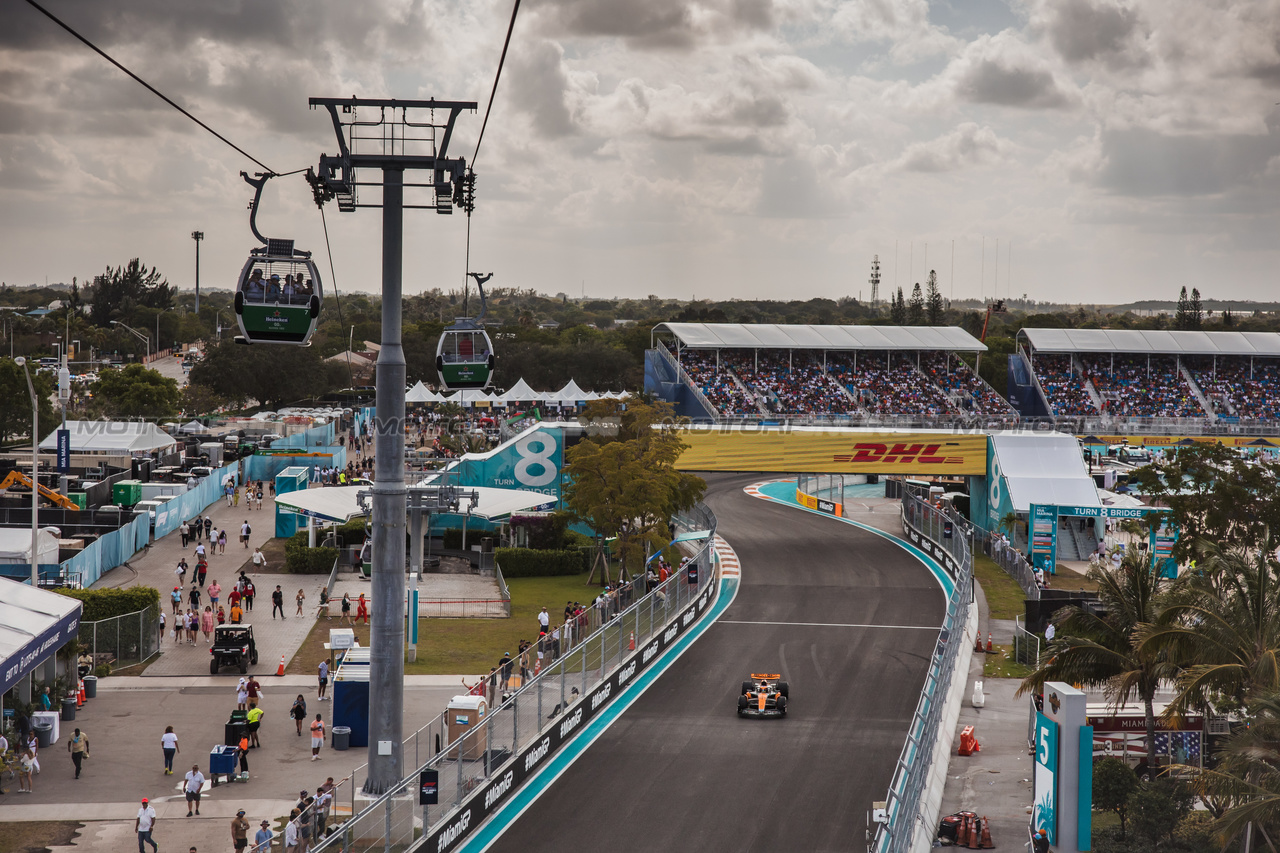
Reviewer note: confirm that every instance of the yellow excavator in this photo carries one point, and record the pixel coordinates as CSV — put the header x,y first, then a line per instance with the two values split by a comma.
x,y
17,478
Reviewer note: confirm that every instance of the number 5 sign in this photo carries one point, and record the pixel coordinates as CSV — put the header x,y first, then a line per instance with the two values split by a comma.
x,y
1045,815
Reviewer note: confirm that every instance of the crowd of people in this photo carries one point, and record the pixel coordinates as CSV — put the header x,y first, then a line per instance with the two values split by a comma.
x,y
967,389
1063,386
792,384
1238,386
717,384
889,385
1142,387
290,290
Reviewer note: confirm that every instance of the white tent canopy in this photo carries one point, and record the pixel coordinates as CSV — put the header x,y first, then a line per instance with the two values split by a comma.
x,y
32,620
111,437
1044,469
193,427
569,395
419,393
522,393
340,504
15,546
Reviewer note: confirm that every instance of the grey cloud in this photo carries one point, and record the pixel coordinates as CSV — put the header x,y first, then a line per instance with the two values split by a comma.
x,y
656,24
1141,162
968,145
791,188
990,81
1082,30
538,87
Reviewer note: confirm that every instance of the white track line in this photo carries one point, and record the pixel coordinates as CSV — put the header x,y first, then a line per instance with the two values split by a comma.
x,y
833,625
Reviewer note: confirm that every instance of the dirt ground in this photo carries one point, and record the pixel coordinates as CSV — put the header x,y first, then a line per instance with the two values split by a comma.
x,y
36,836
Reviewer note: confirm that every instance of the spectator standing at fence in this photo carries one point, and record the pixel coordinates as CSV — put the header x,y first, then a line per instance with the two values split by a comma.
x,y
262,838
504,668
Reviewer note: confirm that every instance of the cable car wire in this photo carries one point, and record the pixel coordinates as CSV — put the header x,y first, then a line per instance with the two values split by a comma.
x,y
152,89
496,77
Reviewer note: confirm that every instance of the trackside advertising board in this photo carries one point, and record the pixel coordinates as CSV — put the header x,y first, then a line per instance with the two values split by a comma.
x,y
509,778
832,451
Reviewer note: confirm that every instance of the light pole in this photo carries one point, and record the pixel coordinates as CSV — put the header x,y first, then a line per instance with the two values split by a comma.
x,y
139,335
35,473
197,236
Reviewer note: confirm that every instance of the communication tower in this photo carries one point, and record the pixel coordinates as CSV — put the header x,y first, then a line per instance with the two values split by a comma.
x,y
875,280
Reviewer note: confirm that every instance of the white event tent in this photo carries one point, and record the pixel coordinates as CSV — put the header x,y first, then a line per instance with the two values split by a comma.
x,y
111,437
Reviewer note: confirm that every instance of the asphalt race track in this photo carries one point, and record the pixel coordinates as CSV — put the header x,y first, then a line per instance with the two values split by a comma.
x,y
680,771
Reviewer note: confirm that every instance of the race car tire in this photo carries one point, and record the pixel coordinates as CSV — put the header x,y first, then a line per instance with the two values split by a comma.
x,y
782,688
746,688
782,705
742,704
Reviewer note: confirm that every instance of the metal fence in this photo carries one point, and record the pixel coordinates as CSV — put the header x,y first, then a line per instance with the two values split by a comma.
x,y
830,487
122,640
905,802
1026,645
394,820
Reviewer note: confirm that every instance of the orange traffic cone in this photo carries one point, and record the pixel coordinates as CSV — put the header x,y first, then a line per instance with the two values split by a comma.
x,y
962,836
280,669
80,697
973,834
989,647
987,843
977,642
631,644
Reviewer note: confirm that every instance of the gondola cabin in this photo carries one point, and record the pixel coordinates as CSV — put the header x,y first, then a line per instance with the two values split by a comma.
x,y
464,357
278,296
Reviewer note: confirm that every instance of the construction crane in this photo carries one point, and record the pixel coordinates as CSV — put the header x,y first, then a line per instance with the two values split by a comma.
x,y
17,478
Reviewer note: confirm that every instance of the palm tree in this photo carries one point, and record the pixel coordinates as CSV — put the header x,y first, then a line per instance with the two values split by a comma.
x,y
1099,649
1010,523
1223,624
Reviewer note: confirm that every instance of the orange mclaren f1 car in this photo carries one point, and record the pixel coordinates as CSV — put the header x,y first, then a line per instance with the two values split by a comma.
x,y
763,696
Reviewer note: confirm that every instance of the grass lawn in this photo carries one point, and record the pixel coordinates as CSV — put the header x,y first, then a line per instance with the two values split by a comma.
x,y
1067,578
466,646
1000,664
1004,596
36,835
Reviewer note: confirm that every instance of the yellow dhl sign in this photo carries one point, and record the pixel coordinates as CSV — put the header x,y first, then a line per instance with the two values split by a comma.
x,y
833,452
1183,440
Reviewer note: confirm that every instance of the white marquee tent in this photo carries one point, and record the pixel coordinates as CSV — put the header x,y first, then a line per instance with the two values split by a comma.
x,y
111,437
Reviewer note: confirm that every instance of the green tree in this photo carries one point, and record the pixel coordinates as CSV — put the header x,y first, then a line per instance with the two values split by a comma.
x,y
15,415
629,487
1182,319
273,376
118,292
1195,310
933,305
1222,622
198,400
1246,778
1156,807
1113,782
1099,649
898,309
915,308
137,392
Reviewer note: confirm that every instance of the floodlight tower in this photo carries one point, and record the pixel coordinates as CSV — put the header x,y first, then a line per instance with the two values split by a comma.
x,y
394,144
875,280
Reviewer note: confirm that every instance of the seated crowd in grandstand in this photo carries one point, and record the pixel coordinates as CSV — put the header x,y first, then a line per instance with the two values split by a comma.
x,y
1237,388
967,389
1135,386
882,389
1064,388
790,384
718,386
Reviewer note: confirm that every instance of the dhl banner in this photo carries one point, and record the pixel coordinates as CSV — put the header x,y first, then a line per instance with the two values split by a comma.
x,y
833,452
1272,441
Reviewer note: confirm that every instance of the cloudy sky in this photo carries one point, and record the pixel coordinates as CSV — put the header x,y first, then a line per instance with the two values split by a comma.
x,y
1117,149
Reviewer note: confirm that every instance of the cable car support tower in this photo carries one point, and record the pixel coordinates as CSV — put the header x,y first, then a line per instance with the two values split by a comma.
x,y
395,137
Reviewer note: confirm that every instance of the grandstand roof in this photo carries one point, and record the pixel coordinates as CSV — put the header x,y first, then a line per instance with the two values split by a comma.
x,y
1153,342
776,336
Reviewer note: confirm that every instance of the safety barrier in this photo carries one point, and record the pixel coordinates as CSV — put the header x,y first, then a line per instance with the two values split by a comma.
x,y
477,773
124,640
914,797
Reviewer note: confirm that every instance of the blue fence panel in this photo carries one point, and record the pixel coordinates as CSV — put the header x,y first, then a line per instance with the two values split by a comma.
x,y
319,436
267,467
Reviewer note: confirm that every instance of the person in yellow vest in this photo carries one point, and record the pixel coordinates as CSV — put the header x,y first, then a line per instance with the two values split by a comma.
x,y
254,718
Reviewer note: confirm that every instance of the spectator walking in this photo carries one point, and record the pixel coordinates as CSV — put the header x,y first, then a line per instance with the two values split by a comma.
x,y
192,787
298,712
215,591
346,609
277,602
206,624
322,672
194,596
143,824
362,609
222,541
208,527
202,571
239,831
259,561
301,599
317,737
245,530
169,745
78,746
26,771
176,599
249,592
255,690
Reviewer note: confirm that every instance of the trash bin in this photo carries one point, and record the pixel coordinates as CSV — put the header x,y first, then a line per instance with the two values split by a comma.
x,y
68,709
341,737
233,732
44,732
90,686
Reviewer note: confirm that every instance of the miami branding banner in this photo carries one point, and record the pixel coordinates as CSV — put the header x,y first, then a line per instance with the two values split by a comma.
x,y
1044,537
832,451
1045,815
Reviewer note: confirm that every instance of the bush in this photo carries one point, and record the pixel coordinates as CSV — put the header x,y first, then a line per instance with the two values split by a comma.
x,y
1156,808
103,670
352,533
301,560
104,603
528,563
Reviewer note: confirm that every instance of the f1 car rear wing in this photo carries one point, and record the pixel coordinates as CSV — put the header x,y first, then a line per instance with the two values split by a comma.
x,y
766,676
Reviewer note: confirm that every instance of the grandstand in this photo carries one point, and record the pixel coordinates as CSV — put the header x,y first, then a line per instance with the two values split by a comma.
x,y
842,374
1176,377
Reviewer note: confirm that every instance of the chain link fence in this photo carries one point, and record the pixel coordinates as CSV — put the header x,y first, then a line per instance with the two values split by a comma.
x,y
122,640
1026,645
905,806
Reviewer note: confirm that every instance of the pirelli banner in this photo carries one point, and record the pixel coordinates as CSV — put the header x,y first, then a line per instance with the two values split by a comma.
x,y
510,777
832,451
